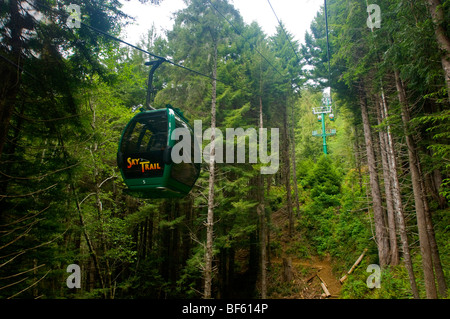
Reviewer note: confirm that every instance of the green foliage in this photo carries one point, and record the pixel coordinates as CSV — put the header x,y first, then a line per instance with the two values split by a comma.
x,y
300,250
438,125
62,199
394,284
323,186
191,275
441,220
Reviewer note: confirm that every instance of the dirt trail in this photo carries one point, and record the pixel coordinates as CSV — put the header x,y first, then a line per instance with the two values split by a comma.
x,y
324,271
305,269
315,266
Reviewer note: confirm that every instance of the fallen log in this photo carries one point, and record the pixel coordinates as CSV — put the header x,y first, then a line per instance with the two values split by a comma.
x,y
324,286
322,280
311,278
326,293
353,267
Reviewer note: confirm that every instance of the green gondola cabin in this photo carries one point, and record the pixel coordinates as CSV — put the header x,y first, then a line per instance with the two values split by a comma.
x,y
144,155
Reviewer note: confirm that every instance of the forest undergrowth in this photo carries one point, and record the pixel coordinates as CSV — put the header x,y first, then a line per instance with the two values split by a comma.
x,y
376,179
307,270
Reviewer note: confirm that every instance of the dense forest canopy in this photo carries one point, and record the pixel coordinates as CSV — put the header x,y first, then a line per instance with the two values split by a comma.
x,y
70,229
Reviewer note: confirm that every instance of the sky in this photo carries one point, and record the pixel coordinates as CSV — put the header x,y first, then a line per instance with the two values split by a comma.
x,y
295,14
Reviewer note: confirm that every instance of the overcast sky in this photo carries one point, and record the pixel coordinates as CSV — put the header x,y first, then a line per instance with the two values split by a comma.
x,y
295,14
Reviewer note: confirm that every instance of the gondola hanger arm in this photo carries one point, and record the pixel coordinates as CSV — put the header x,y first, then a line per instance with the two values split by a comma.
x,y
150,90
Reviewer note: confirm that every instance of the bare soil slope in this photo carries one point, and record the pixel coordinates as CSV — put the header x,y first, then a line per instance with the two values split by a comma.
x,y
307,273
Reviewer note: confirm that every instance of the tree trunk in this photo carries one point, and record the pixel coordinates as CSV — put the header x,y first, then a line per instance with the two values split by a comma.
x,y
10,74
394,258
287,269
433,181
287,173
92,252
425,247
442,285
210,217
262,240
294,169
382,238
356,149
397,201
439,23
262,217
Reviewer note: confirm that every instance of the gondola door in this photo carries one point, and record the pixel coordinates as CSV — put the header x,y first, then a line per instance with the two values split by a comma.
x,y
141,151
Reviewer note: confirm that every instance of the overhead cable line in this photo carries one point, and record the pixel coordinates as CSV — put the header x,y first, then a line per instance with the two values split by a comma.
x,y
279,22
328,44
246,40
66,15
151,54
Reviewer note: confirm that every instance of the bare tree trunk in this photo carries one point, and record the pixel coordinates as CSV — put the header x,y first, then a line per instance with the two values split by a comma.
x,y
442,285
425,247
439,23
262,238
397,201
287,171
287,269
394,258
262,216
382,238
91,247
99,205
294,169
356,148
210,217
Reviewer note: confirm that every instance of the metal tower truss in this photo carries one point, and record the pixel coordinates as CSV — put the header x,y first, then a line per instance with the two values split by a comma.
x,y
322,109
330,132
